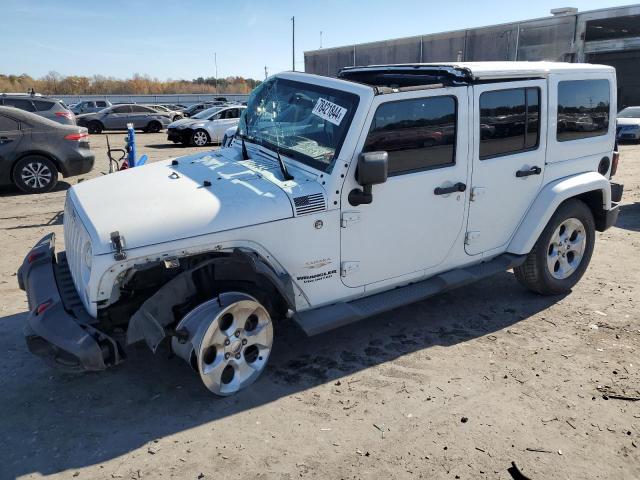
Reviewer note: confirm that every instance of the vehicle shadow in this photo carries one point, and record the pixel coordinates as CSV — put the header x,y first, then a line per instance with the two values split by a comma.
x,y
57,219
629,218
11,190
53,421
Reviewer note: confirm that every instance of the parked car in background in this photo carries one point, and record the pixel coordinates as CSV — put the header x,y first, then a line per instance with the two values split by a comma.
x,y
90,106
175,106
118,116
229,135
174,114
207,127
47,107
199,107
34,149
628,124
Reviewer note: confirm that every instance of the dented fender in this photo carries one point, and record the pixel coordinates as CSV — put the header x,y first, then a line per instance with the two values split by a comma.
x,y
151,320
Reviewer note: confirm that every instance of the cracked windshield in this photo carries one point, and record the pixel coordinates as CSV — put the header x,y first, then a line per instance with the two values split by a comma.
x,y
304,122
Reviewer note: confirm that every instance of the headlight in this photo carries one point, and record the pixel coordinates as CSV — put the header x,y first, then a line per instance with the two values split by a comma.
x,y
87,254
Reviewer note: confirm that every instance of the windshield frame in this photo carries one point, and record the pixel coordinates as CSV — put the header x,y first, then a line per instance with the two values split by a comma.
x,y
292,154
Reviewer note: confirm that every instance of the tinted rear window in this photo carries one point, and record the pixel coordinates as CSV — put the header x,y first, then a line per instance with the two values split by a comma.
x,y
583,109
21,103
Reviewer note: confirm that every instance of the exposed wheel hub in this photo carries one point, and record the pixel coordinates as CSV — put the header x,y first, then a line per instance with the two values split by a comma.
x,y
230,341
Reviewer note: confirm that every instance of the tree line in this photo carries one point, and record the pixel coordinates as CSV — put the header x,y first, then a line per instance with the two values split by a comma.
x,y
55,84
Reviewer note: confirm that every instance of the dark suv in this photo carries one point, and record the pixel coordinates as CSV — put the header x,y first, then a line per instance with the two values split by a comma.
x,y
46,107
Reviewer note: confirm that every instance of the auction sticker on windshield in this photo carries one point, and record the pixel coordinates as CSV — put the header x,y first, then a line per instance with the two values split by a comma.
x,y
329,111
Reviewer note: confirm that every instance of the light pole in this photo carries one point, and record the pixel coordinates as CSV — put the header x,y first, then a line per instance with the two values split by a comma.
x,y
293,43
215,62
320,38
266,73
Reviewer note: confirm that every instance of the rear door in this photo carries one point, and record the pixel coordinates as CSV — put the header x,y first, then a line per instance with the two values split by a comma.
x,y
140,116
10,137
508,160
117,117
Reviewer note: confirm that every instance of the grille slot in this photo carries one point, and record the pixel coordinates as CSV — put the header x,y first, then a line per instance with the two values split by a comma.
x,y
75,237
309,204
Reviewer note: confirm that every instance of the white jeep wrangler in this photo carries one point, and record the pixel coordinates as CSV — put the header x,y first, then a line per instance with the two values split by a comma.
x,y
338,199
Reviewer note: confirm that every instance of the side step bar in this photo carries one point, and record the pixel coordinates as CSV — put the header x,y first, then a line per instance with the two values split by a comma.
x,y
327,318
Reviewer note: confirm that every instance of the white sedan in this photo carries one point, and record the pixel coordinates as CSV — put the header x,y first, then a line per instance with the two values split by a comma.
x,y
628,125
206,127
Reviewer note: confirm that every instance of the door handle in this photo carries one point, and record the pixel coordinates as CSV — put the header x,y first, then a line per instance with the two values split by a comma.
x,y
458,187
5,140
531,171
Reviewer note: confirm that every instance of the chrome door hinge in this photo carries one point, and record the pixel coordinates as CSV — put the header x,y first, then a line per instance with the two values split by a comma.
x,y
477,192
349,218
471,237
347,268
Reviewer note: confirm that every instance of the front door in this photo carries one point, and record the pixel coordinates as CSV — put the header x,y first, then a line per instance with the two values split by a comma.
x,y
508,160
412,223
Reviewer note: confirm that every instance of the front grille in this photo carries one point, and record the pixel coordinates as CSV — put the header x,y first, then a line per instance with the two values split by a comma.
x,y
75,236
309,203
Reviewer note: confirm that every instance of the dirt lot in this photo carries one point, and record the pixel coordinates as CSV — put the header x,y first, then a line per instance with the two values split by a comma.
x,y
459,386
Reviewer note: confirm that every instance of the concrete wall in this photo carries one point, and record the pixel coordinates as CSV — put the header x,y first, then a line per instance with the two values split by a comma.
x,y
186,99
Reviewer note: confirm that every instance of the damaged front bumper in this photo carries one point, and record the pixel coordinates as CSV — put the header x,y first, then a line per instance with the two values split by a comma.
x,y
58,327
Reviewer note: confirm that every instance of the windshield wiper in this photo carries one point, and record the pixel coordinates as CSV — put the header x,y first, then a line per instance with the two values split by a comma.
x,y
283,167
245,155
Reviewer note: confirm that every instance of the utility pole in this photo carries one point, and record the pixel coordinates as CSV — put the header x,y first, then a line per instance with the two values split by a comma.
x,y
293,43
266,73
320,38
215,62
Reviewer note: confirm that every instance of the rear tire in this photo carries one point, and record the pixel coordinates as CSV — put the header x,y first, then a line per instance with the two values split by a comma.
x,y
35,174
153,127
562,253
95,127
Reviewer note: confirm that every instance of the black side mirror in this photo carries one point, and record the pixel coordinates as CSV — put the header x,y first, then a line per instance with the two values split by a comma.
x,y
372,170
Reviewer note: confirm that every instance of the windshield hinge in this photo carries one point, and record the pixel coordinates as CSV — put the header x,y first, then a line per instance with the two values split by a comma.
x,y
471,237
118,244
349,218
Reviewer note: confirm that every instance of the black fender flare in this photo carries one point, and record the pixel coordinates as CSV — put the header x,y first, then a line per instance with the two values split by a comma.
x,y
150,322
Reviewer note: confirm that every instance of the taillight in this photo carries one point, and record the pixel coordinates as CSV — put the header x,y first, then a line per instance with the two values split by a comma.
x,y
67,115
33,257
77,136
614,163
42,307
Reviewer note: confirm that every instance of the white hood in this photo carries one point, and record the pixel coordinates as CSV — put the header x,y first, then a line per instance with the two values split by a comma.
x,y
627,121
161,202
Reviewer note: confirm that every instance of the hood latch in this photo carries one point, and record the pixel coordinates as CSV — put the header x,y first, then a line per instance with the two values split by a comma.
x,y
118,243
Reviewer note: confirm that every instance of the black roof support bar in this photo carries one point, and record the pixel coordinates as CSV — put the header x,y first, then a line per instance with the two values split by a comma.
x,y
401,76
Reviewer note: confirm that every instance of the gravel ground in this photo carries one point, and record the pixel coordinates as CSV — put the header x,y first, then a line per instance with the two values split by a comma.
x,y
459,386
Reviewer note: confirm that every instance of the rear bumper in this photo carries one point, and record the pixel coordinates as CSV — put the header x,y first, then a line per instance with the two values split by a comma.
x,y
608,218
79,162
58,327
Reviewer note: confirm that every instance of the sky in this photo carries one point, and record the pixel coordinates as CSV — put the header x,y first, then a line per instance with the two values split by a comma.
x,y
180,39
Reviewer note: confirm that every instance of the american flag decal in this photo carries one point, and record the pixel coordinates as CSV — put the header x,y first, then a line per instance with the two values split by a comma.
x,y
309,204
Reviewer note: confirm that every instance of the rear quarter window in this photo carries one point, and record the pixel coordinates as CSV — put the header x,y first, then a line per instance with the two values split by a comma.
x,y
583,109
8,124
21,103
43,105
